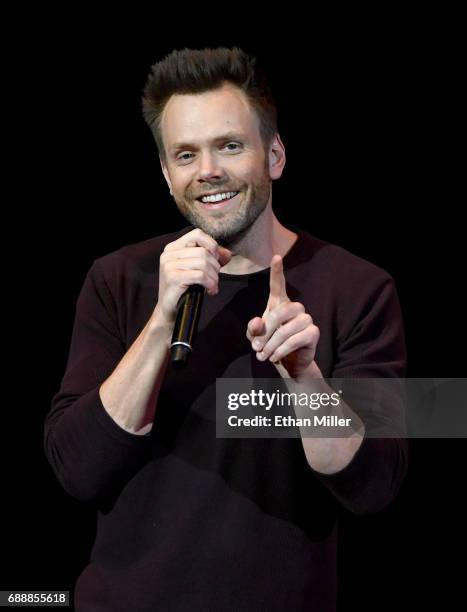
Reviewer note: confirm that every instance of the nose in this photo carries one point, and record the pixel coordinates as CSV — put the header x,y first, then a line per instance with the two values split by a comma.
x,y
209,167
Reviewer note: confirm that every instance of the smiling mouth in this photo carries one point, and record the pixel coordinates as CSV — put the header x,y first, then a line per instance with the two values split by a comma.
x,y
217,200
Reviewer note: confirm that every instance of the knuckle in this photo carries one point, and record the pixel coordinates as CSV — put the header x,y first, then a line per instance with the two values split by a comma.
x,y
310,336
164,266
169,247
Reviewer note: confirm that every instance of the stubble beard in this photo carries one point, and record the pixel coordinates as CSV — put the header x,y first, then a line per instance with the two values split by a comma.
x,y
230,227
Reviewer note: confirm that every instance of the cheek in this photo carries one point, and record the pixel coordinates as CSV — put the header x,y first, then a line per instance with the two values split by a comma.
x,y
181,186
247,175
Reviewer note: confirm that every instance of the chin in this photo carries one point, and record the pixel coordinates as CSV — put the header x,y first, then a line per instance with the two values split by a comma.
x,y
226,238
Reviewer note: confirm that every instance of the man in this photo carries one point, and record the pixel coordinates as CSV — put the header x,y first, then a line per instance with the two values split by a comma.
x,y
187,520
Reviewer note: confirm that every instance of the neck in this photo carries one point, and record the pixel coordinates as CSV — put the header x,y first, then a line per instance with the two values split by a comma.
x,y
254,250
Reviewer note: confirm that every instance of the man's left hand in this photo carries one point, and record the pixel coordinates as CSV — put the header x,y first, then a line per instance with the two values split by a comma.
x,y
285,333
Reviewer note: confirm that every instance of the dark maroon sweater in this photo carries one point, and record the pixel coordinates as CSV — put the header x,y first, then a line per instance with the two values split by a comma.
x,y
187,521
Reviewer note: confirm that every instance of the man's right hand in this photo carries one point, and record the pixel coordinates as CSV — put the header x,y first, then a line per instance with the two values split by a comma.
x,y
193,259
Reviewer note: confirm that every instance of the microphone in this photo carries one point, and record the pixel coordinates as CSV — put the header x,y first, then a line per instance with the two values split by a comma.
x,y
186,325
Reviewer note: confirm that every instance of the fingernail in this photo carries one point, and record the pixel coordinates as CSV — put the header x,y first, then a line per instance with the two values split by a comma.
x,y
260,356
257,344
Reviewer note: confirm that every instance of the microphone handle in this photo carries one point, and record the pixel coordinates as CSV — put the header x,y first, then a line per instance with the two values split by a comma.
x,y
186,324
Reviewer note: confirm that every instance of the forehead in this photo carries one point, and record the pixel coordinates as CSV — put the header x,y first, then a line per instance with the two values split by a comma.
x,y
201,117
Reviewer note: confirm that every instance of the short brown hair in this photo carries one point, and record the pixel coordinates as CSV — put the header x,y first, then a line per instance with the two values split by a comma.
x,y
191,71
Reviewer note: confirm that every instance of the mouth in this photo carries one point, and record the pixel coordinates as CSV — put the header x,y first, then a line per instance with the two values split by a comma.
x,y
218,200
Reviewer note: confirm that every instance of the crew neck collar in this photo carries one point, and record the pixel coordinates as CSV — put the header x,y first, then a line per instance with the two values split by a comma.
x,y
288,259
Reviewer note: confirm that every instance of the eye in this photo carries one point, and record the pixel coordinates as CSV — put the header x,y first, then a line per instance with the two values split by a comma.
x,y
232,146
184,156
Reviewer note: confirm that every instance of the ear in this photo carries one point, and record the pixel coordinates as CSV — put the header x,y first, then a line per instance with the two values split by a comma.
x,y
276,157
165,172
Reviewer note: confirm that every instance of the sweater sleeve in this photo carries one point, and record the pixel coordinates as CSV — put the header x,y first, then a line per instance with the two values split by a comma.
x,y
91,455
372,345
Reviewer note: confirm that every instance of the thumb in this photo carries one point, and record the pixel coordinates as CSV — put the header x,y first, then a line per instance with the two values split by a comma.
x,y
224,255
256,327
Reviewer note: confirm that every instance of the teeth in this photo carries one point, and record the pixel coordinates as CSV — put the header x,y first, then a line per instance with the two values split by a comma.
x,y
218,197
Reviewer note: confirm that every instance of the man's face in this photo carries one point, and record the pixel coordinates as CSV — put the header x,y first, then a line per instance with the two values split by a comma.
x,y
213,146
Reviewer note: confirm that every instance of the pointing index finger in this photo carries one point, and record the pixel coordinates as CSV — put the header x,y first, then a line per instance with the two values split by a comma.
x,y
277,289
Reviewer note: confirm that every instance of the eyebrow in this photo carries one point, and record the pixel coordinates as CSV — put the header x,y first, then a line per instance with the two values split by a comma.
x,y
178,146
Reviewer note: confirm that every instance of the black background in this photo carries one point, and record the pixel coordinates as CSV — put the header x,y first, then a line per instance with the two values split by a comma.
x,y
369,113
